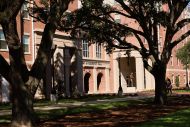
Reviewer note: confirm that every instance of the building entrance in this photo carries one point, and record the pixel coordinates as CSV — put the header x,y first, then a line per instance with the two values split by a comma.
x,y
99,78
86,82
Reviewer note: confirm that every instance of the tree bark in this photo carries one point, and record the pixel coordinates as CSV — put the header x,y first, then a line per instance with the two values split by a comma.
x,y
23,82
159,72
22,101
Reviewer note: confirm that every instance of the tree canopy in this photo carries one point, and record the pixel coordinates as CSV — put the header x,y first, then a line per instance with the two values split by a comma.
x,y
183,54
96,20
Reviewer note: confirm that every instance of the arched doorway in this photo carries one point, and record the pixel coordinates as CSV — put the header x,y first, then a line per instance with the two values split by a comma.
x,y
99,78
86,82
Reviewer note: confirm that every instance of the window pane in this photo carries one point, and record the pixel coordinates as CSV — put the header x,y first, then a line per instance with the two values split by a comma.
x,y
25,14
2,37
26,43
26,48
3,44
25,39
98,50
85,48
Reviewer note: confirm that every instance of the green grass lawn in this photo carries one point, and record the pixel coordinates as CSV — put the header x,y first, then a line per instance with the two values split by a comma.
x,y
182,90
56,113
53,114
177,119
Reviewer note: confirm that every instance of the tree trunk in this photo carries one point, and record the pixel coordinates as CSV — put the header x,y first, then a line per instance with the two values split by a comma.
x,y
160,87
22,101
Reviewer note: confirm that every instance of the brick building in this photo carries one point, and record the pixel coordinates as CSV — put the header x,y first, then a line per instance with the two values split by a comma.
x,y
89,67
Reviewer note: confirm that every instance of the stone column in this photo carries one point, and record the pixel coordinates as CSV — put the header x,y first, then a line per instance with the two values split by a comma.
x,y
67,62
80,84
139,74
150,82
115,72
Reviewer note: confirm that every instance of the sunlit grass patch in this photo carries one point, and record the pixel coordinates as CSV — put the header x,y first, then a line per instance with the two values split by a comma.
x,y
177,119
182,90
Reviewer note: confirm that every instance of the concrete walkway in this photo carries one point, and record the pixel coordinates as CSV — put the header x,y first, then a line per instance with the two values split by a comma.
x,y
61,105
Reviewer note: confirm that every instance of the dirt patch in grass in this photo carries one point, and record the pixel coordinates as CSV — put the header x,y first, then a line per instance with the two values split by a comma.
x,y
121,117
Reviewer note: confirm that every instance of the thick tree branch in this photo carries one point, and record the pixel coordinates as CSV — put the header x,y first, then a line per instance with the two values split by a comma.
x,y
129,29
145,54
16,53
147,65
10,10
116,12
171,11
125,45
181,24
176,8
136,16
56,12
126,8
143,48
39,13
57,8
174,43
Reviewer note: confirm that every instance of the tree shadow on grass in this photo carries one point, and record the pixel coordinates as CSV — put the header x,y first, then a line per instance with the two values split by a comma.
x,y
132,115
123,114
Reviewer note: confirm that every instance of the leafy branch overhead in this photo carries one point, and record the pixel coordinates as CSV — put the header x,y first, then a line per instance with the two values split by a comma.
x,y
98,22
183,54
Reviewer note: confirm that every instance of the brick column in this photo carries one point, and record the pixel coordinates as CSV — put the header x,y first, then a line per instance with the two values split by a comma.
x,y
95,79
107,80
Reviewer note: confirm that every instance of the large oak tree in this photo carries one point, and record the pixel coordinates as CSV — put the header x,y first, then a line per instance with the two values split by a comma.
x,y
24,82
96,20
